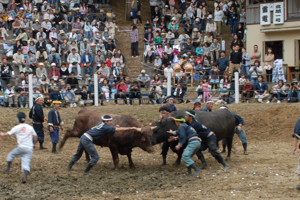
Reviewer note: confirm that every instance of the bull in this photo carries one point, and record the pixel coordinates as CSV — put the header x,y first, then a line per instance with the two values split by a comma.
x,y
221,122
119,143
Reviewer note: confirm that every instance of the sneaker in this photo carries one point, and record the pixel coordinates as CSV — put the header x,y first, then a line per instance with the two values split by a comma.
x,y
278,101
15,35
247,101
26,106
268,101
75,105
71,105
107,100
22,106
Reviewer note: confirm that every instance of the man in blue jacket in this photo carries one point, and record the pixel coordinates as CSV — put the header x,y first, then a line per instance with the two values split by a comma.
x,y
261,89
87,57
296,137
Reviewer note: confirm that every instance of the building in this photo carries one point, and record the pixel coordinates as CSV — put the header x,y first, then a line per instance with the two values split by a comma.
x,y
275,24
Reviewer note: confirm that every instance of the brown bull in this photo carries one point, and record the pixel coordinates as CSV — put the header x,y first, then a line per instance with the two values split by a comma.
x,y
118,143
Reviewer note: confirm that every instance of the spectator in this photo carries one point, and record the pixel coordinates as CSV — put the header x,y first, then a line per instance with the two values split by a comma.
x,y
54,57
247,91
218,17
27,69
64,72
110,47
245,62
44,83
72,81
282,94
149,53
121,91
215,48
85,46
88,73
211,27
135,92
155,93
255,71
16,26
40,71
224,94
91,91
236,41
196,37
18,59
280,87
7,72
69,96
31,61
54,72
104,70
10,97
261,89
41,48
74,61
106,89
255,55
144,79
178,93
173,26
56,95
269,64
84,97
232,17
236,60
87,57
188,49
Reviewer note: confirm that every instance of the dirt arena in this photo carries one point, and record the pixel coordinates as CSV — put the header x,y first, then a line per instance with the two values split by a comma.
x,y
267,172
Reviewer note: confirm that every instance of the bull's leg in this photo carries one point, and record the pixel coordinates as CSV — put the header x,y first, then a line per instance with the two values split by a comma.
x,y
229,147
131,165
165,149
224,142
87,156
115,155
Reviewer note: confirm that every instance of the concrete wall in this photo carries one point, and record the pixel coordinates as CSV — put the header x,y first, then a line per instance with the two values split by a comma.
x,y
254,36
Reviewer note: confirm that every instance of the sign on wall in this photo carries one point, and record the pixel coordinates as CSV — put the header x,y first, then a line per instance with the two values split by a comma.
x,y
265,18
278,13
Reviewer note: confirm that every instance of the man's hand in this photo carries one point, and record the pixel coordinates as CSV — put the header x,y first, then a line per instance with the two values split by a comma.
x,y
239,128
45,119
294,149
62,128
170,131
177,147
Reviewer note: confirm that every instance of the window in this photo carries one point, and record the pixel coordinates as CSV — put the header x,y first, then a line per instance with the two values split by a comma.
x,y
293,9
263,1
277,48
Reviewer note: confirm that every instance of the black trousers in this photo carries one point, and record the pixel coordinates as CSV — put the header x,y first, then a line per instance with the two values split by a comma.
x,y
269,75
135,49
121,95
135,95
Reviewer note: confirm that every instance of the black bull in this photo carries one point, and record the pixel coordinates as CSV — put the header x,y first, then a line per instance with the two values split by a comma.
x,y
221,122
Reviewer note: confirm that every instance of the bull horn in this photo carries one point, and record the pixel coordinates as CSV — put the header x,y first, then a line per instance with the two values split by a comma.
x,y
139,129
153,127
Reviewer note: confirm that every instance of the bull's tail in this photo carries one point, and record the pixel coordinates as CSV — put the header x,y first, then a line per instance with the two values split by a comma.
x,y
63,141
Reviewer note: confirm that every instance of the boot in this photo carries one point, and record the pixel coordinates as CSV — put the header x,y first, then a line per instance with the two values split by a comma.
x,y
87,170
245,148
70,165
204,165
8,167
197,170
164,161
189,170
25,176
54,149
225,166
41,146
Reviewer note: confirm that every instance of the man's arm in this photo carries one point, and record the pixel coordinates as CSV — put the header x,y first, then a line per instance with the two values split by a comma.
x,y
126,129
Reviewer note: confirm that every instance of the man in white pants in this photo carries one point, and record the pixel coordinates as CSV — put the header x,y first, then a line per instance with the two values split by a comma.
x,y
74,61
27,138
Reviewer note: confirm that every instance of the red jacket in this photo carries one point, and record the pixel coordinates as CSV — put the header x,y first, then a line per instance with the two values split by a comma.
x,y
248,87
57,73
121,88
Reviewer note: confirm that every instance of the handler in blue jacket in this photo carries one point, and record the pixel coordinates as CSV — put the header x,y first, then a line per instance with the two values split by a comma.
x,y
37,115
187,134
238,130
296,137
95,133
54,123
209,140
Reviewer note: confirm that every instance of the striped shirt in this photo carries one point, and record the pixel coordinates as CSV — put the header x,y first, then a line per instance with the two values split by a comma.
x,y
134,35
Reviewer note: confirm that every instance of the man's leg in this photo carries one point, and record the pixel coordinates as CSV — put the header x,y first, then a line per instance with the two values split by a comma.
x,y
54,137
25,161
188,153
77,156
90,148
17,152
230,71
45,55
200,155
78,69
213,149
70,68
243,138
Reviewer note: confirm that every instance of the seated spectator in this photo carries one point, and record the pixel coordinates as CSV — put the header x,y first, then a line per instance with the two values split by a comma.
x,y
121,91
196,37
32,47
182,39
261,89
178,93
224,94
41,48
23,99
7,72
91,92
167,70
84,97
18,59
149,53
69,96
173,26
110,48
159,51
280,87
73,36
52,85
208,38
84,46
157,38
36,93
10,97
27,69
157,63
88,73
53,35
54,57
47,101
41,33
155,80
170,36
17,46
73,45
44,83
64,71
282,94
188,48
148,37
104,70
54,72
31,61
87,57
144,79
72,80
106,89
135,92
56,95
168,49
247,91
99,58
88,30
255,71
98,38
16,26
155,93
74,61
211,27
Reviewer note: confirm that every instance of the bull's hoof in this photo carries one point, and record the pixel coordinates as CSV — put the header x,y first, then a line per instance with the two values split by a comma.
x,y
228,159
204,166
163,163
298,187
132,166
176,163
223,151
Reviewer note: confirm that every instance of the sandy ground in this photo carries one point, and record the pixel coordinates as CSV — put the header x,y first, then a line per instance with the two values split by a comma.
x,y
267,172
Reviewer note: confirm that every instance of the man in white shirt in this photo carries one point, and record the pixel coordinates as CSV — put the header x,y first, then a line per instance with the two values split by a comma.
x,y
167,70
18,59
26,138
74,61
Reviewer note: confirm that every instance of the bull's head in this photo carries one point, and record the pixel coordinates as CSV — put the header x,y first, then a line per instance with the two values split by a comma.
x,y
144,139
161,127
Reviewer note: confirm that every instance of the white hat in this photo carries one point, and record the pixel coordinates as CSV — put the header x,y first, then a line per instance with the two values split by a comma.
x,y
62,1
209,101
41,63
53,49
197,19
166,6
21,8
53,64
143,71
45,2
173,18
85,40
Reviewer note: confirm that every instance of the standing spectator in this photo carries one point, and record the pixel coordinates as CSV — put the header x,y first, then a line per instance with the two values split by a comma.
x,y
235,60
245,62
134,38
243,18
223,64
236,41
255,71
269,64
144,79
255,55
134,9
261,89
219,15
215,48
247,91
